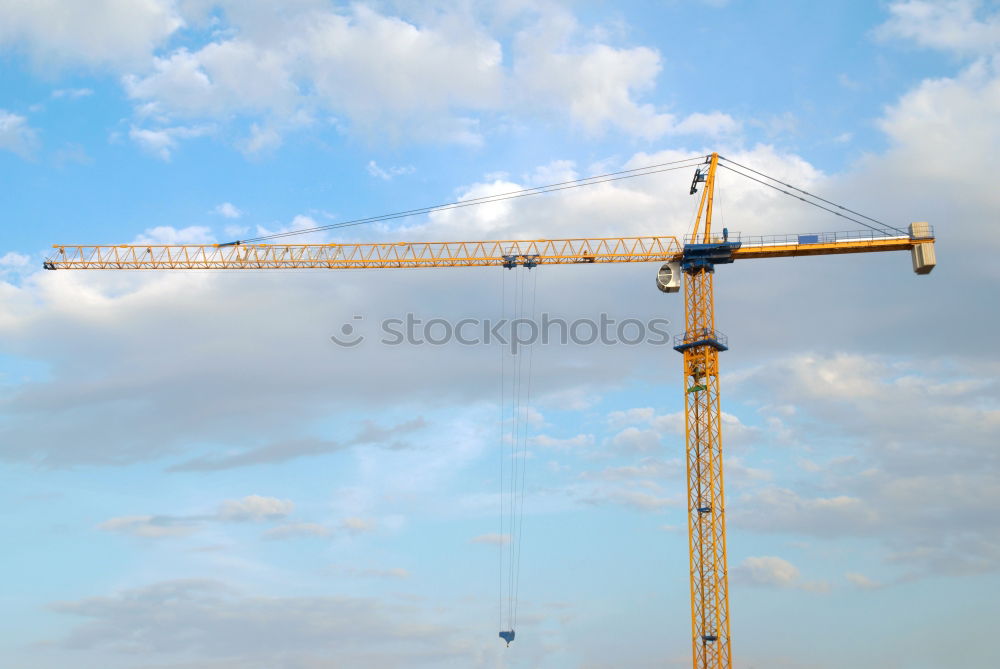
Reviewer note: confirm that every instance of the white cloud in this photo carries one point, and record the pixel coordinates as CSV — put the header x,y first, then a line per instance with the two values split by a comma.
x,y
391,572
72,93
598,85
535,418
557,171
870,396
631,416
862,581
165,234
380,71
299,223
563,444
369,63
739,475
208,624
116,33
767,570
149,526
161,142
435,78
493,539
642,205
926,125
261,139
637,499
297,530
255,508
235,231
14,259
634,440
847,82
228,210
220,78
16,135
369,572
910,431
71,154
646,484
388,173
595,83
775,572
285,449
714,124
356,525
961,26
649,469
775,509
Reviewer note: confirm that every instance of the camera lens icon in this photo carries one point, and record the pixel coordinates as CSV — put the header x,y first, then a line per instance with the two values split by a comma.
x,y
349,337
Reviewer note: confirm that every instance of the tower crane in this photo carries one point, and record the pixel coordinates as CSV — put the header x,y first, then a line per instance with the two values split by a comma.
x,y
692,261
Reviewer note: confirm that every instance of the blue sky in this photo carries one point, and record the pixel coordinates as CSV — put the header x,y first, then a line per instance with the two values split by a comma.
x,y
196,476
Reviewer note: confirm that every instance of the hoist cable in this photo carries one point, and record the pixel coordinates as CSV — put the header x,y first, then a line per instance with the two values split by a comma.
x,y
515,407
487,199
519,459
805,192
524,448
516,368
500,403
797,197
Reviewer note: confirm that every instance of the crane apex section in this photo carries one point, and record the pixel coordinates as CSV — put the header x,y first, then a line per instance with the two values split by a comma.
x,y
922,254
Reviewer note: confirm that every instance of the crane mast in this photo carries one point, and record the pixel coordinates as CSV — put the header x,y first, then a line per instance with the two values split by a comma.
x,y
700,343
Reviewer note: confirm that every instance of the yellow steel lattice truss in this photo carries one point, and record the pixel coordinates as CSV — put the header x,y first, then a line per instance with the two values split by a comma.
x,y
700,343
366,255
705,494
710,643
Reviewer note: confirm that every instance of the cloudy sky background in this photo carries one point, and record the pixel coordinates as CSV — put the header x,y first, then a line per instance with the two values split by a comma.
x,y
197,477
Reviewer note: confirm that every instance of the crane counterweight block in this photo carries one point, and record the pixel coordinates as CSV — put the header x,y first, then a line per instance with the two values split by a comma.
x,y
922,253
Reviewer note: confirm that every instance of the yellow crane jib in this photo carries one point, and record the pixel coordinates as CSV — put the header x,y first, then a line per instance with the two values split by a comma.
x,y
498,253
495,253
